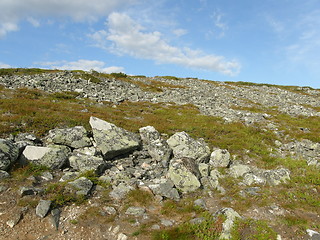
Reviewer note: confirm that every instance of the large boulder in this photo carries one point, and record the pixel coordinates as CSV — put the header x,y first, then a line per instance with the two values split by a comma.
x,y
75,137
184,173
220,158
157,148
9,153
185,146
111,140
51,157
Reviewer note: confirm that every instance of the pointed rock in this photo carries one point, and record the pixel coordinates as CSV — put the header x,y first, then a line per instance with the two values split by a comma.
x,y
112,140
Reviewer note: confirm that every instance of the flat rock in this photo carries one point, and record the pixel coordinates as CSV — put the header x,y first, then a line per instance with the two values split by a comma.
x,y
82,186
53,158
75,137
43,208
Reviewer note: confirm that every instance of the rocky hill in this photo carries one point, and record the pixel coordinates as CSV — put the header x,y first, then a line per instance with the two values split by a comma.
x,y
86,155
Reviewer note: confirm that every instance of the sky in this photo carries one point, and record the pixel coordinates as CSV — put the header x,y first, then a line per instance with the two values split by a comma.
x,y
269,41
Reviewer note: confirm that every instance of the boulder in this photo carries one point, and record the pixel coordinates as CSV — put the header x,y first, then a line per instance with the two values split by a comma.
x,y
82,186
185,146
75,137
9,153
112,140
220,158
184,173
157,148
82,163
53,158
165,188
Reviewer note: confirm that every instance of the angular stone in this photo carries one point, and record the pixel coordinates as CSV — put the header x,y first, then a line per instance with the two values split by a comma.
x,y
82,186
220,158
24,191
185,146
75,137
55,216
166,189
9,153
204,169
200,203
120,191
43,208
112,140
4,174
277,176
184,173
82,163
136,211
53,158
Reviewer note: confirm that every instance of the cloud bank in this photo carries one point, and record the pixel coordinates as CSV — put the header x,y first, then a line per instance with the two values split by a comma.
x,y
129,37
82,64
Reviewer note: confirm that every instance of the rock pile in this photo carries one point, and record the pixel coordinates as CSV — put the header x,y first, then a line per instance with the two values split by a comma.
x,y
167,168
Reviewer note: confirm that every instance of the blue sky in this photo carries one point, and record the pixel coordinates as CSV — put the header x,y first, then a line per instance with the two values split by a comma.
x,y
270,41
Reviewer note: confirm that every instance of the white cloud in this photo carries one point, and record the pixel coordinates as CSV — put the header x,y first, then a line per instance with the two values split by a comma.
x,y
128,37
219,24
179,32
3,65
82,64
14,11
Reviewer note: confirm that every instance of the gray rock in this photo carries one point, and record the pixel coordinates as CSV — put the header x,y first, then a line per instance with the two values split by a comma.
x,y
238,170
15,219
157,147
166,189
24,191
69,176
110,210
155,227
3,188
197,220
9,153
220,158
43,208
120,191
167,223
82,186
277,176
200,203
313,234
55,218
251,178
4,174
227,225
135,211
46,176
184,173
82,163
53,158
185,146
112,140
75,137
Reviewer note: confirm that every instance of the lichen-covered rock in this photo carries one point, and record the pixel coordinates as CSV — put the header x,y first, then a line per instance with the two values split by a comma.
x,y
184,173
53,158
220,158
81,186
230,215
120,191
157,148
185,146
75,137
43,208
9,153
82,163
112,140
238,170
277,176
165,188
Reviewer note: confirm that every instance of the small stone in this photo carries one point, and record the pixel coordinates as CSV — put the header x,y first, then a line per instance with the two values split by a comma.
x,y
4,174
15,220
155,227
43,208
196,220
200,203
46,176
110,210
24,191
167,223
55,213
